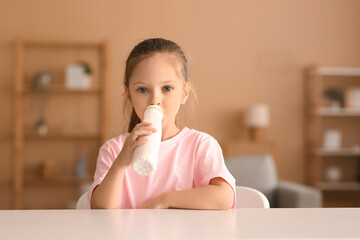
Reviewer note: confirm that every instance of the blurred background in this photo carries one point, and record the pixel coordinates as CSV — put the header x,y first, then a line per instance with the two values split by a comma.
x,y
266,74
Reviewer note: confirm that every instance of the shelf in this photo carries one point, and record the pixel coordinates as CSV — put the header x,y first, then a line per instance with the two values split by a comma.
x,y
62,44
32,134
60,89
38,180
339,71
339,186
318,118
338,112
57,55
344,152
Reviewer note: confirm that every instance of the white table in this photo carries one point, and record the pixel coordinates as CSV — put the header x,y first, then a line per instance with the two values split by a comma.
x,y
180,224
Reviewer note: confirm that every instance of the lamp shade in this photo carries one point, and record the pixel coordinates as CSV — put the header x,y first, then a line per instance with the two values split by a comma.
x,y
258,116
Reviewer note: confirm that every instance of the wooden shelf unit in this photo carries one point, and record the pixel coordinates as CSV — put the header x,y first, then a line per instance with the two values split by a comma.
x,y
32,134
22,90
318,117
62,90
341,112
342,152
339,186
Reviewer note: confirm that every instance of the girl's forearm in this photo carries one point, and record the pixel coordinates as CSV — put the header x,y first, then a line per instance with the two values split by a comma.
x,y
213,196
108,194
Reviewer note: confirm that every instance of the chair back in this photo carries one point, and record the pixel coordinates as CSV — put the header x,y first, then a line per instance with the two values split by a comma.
x,y
255,171
83,202
250,198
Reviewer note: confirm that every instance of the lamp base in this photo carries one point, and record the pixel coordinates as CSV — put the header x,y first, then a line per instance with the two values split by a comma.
x,y
255,134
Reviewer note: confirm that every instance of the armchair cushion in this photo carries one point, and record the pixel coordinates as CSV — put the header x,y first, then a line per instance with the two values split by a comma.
x,y
292,195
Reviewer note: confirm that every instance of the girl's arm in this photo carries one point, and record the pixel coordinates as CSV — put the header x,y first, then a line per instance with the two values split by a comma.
x,y
217,195
108,193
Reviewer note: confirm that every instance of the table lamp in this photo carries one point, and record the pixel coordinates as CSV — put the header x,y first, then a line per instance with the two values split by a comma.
x,y
257,117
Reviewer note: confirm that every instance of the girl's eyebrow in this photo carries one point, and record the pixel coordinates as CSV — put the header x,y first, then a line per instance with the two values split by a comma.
x,y
137,83
142,83
169,81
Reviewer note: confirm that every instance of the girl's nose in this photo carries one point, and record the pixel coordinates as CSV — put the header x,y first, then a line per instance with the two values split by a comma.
x,y
155,101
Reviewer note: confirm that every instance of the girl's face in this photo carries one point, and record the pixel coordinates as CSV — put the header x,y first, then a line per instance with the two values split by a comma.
x,y
156,81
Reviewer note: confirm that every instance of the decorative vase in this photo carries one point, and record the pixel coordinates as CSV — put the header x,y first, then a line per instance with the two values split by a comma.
x,y
333,174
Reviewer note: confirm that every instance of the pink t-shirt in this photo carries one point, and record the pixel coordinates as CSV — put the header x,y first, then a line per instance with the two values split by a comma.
x,y
188,160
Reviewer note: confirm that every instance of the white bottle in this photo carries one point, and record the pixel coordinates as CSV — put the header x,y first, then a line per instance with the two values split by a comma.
x,y
145,156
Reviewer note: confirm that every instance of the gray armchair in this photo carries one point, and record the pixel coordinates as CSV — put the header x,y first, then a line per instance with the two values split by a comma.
x,y
259,172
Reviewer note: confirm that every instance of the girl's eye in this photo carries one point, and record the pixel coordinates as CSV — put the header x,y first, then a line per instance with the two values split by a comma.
x,y
167,88
142,90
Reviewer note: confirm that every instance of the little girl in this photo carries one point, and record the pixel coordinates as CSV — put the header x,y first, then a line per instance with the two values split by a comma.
x,y
190,172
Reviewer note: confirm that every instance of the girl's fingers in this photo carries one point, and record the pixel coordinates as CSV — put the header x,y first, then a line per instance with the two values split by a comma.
x,y
140,133
140,130
140,142
143,124
134,139
149,128
144,131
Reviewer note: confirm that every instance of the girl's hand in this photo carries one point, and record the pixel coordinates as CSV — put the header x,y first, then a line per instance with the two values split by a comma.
x,y
159,202
134,140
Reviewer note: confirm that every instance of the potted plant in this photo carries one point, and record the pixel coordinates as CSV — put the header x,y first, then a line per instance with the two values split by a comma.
x,y
334,96
86,67
87,74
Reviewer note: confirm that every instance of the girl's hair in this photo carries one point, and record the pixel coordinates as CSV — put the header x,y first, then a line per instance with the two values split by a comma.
x,y
145,49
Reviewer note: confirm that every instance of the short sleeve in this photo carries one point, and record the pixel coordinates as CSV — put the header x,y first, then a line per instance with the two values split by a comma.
x,y
210,163
107,155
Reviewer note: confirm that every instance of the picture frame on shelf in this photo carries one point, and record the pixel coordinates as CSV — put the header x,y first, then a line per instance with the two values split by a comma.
x,y
352,98
78,76
332,139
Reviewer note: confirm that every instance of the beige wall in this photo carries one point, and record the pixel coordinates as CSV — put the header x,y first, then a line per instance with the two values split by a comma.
x,y
243,52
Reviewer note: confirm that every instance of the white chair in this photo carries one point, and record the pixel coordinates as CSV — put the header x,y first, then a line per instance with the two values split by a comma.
x,y
250,198
83,202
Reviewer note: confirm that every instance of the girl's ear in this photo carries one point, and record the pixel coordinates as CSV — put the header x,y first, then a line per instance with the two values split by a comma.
x,y
186,92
